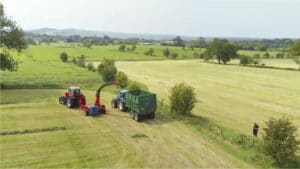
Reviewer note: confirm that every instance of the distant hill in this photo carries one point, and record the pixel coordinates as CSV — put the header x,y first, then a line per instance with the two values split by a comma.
x,y
122,35
82,32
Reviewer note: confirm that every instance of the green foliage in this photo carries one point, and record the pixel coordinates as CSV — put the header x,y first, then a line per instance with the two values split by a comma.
x,y
295,52
87,45
149,52
7,62
122,79
280,140
245,60
64,56
90,67
108,70
133,48
138,135
166,52
133,86
222,49
256,62
182,98
35,130
280,55
122,48
80,61
174,55
267,55
178,41
11,37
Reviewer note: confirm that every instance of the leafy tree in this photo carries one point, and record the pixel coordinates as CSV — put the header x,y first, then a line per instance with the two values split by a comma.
x,y
262,48
166,52
256,62
295,52
90,67
88,45
279,140
222,49
80,61
7,62
64,56
245,60
267,55
178,41
182,99
198,43
11,37
280,55
122,79
133,48
149,52
174,55
108,70
122,48
133,86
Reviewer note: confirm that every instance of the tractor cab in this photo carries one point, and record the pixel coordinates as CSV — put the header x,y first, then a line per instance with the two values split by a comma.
x,y
73,90
119,100
121,95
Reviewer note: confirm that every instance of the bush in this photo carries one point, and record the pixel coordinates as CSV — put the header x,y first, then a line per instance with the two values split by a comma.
x,y
279,140
182,99
133,86
80,61
166,52
174,55
108,70
149,52
64,56
256,62
91,67
122,79
245,60
7,62
122,48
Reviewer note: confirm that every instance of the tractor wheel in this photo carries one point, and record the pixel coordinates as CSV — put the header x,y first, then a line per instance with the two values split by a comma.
x,y
137,117
86,113
132,114
121,106
62,100
70,103
152,115
114,103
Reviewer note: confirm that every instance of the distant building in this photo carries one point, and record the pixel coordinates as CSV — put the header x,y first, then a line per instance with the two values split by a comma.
x,y
145,43
167,43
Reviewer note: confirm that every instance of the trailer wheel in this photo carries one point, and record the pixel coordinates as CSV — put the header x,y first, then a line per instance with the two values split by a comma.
x,y
62,100
121,106
86,113
137,117
114,103
152,115
132,115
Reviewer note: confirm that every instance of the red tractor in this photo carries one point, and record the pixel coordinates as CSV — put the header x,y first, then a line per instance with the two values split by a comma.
x,y
74,98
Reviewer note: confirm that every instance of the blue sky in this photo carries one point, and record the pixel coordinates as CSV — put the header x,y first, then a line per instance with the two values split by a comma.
x,y
222,18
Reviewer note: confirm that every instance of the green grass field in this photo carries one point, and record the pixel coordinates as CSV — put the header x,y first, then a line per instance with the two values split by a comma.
x,y
233,96
230,96
108,141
